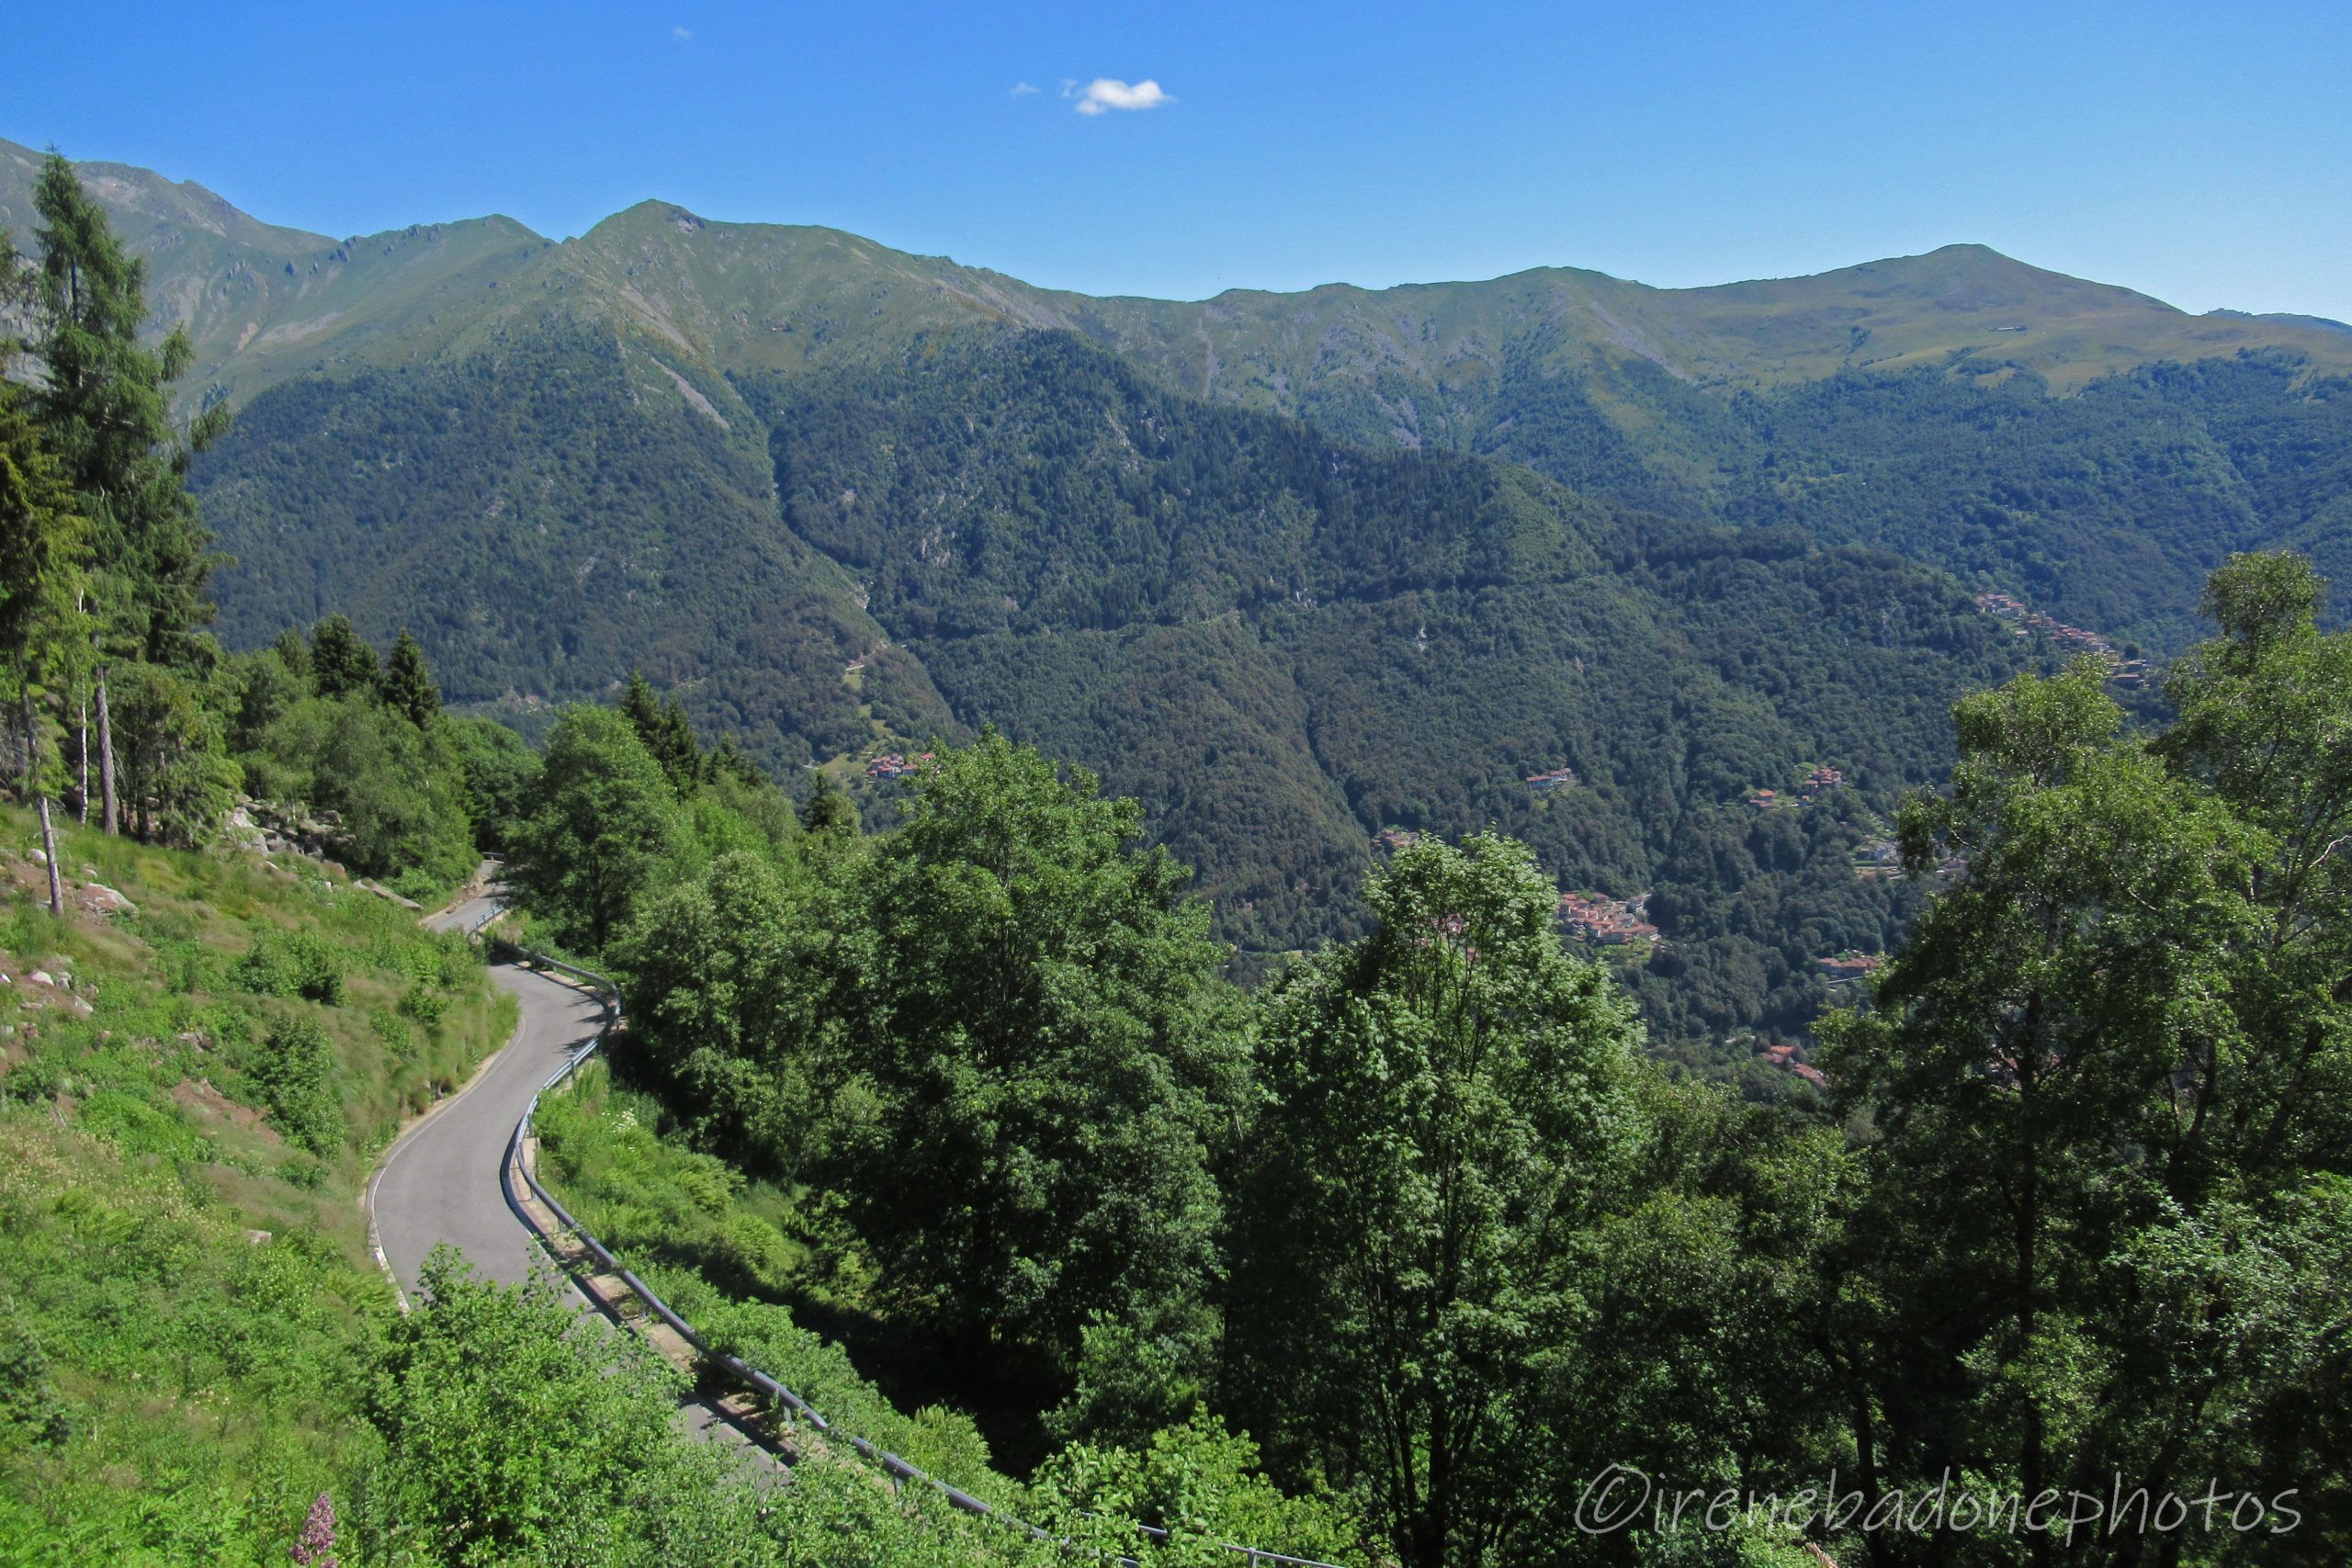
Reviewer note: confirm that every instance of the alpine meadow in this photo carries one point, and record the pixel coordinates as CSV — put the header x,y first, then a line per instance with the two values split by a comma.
x,y
710,893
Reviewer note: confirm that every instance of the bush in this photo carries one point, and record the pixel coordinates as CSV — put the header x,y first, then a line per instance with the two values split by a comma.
x,y
295,1070
140,1128
294,963
422,1005
31,1415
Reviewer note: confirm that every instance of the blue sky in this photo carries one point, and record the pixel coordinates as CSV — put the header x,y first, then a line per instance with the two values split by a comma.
x,y
2202,154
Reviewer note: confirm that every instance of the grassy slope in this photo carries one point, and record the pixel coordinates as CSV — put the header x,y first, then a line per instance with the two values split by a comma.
x,y
263,303
209,1380
712,1241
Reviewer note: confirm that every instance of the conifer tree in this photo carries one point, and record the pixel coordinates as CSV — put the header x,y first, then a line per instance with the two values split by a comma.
x,y
408,684
677,749
668,733
728,759
829,809
640,706
342,663
103,403
293,651
41,542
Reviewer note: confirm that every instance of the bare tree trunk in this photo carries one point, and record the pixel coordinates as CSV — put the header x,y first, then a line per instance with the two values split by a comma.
x,y
82,741
32,777
112,819
49,847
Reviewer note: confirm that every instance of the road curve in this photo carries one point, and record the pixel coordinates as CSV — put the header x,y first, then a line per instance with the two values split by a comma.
x,y
442,1180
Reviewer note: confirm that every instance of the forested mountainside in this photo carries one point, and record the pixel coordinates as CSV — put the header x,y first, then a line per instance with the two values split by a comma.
x,y
2089,448
1281,565
1287,644
2105,508
545,522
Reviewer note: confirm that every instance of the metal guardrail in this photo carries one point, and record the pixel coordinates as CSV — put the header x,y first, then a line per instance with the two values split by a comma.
x,y
899,1471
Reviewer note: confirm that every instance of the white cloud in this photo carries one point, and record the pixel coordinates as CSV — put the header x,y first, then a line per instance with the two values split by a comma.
x,y
1104,93
1023,89
680,34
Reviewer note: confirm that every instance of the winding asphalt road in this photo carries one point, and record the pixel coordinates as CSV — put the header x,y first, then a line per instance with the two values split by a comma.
x,y
442,1180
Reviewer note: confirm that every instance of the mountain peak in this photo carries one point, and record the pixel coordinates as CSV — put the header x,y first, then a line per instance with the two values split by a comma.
x,y
264,303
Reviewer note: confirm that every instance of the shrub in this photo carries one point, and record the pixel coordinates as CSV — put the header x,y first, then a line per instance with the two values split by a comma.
x,y
294,963
30,1412
295,1070
424,1006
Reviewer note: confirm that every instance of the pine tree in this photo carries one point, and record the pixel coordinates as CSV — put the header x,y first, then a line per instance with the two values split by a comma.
x,y
640,706
829,809
668,733
42,540
341,664
293,651
103,406
408,685
728,759
676,749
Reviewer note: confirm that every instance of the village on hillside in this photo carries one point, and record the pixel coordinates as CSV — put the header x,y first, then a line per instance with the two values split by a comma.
x,y
2025,622
1819,778
1786,1057
1609,922
1845,968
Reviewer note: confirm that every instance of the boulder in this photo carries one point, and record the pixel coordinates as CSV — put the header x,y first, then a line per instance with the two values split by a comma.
x,y
100,899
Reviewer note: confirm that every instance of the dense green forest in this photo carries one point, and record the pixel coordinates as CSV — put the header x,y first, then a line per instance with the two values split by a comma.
x,y
2106,508
543,538
1286,645
1423,1219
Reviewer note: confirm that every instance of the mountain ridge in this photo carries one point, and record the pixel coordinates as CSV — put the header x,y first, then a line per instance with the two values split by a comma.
x,y
1305,571
1893,313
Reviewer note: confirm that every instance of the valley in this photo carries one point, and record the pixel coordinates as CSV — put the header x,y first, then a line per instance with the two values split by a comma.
x,y
1228,554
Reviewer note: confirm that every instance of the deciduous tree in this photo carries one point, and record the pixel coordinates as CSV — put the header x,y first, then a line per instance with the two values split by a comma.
x,y
1046,1073
600,829
1448,1110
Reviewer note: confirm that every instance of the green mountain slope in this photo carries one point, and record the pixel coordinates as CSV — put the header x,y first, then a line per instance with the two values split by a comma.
x,y
547,517
1286,644
1282,642
842,498
1422,357
263,303
2013,425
